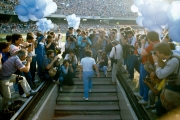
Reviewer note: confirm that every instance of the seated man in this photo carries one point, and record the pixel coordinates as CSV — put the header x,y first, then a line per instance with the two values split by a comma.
x,y
103,64
155,85
72,59
6,75
66,73
49,62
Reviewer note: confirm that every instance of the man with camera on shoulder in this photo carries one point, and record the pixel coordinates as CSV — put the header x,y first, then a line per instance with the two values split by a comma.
x,y
7,75
51,62
170,96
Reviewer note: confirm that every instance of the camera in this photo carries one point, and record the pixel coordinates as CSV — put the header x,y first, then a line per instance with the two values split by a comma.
x,y
19,78
153,53
148,79
30,44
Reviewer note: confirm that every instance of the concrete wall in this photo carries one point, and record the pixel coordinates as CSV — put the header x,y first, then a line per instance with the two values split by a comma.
x,y
46,112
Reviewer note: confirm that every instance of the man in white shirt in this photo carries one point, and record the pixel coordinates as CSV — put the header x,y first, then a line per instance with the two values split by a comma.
x,y
87,64
116,53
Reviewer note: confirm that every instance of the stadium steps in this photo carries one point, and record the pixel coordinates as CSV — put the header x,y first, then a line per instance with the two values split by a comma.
x,y
103,103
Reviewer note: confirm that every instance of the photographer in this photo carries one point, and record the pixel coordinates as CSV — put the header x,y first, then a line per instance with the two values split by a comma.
x,y
48,63
153,38
156,85
83,42
51,45
66,74
170,96
70,43
7,75
72,59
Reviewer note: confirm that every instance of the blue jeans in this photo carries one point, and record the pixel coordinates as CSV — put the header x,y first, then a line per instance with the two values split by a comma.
x,y
39,59
132,62
87,80
104,69
143,87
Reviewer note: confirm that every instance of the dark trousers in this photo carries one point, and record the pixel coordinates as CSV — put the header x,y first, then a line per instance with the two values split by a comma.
x,y
160,109
33,68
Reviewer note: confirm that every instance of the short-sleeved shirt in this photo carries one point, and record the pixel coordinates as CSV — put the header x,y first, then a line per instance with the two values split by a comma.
x,y
149,56
46,62
9,67
14,49
87,64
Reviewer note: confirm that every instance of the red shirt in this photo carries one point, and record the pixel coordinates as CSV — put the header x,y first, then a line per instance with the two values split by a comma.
x,y
148,50
136,47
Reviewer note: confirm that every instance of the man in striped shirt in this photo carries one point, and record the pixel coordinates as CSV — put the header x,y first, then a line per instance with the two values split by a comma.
x,y
7,75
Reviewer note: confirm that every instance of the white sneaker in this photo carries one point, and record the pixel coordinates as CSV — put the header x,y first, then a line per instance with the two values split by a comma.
x,y
61,89
24,95
138,95
142,102
89,90
86,99
154,111
33,91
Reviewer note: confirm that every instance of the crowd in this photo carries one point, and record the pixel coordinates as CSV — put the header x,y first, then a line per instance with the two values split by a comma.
x,y
18,27
90,50
103,8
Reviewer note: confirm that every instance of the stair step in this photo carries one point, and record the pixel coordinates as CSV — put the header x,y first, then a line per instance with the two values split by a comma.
x,y
95,79
87,102
91,99
111,86
94,90
91,94
88,117
87,107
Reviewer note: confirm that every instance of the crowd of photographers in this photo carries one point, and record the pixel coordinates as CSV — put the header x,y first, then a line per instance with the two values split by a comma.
x,y
150,55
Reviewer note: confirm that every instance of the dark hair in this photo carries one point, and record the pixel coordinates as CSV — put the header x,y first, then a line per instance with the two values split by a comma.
x,y
172,45
65,61
51,33
15,37
143,36
49,52
29,37
88,53
122,29
39,34
78,30
30,33
71,51
9,38
49,36
3,45
153,36
127,28
163,48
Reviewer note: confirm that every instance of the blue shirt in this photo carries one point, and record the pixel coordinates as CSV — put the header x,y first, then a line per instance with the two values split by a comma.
x,y
5,56
72,45
81,43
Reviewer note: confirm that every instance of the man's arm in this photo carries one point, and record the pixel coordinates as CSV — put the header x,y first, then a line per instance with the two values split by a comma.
x,y
27,66
51,64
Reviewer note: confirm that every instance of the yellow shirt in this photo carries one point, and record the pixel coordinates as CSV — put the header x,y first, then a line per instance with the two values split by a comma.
x,y
160,85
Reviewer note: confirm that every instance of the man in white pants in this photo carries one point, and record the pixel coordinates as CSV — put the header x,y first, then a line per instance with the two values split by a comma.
x,y
6,75
116,53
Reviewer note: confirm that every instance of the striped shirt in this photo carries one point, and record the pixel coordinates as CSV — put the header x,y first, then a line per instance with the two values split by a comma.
x,y
9,67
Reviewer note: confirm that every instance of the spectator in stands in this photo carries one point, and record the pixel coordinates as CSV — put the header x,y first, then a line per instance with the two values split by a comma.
x,y
87,64
66,73
83,42
48,63
169,70
7,75
117,54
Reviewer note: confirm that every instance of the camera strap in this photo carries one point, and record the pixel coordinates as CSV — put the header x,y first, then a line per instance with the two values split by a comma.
x,y
115,54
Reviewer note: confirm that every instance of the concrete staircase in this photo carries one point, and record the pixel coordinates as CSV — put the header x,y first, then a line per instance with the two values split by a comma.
x,y
103,103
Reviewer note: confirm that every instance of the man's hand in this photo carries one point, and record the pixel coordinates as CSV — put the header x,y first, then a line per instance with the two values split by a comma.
x,y
155,58
56,58
29,59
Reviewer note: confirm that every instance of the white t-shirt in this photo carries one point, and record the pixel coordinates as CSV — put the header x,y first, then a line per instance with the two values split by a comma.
x,y
87,63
